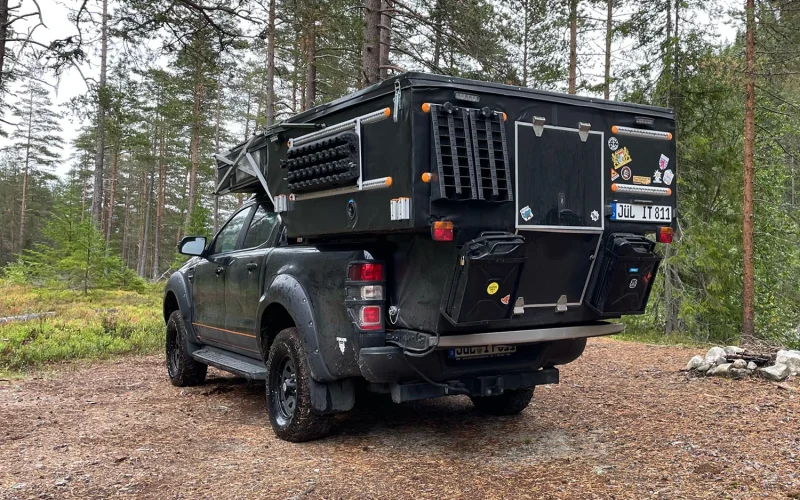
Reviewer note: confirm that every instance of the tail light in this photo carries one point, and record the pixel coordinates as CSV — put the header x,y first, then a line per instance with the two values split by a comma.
x,y
369,318
442,230
664,235
364,294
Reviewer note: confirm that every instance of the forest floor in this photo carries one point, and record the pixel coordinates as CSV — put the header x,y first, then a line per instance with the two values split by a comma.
x,y
623,423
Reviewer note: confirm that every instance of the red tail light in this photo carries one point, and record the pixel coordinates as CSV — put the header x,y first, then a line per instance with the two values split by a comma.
x,y
664,235
370,318
366,272
442,230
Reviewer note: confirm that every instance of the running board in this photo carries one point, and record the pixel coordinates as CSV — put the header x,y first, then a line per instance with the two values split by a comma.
x,y
251,369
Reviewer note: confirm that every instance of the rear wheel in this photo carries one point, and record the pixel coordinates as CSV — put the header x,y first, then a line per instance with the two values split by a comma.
x,y
508,403
289,392
182,368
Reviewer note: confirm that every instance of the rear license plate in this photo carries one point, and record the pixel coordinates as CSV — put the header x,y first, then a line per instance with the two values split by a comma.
x,y
483,351
640,213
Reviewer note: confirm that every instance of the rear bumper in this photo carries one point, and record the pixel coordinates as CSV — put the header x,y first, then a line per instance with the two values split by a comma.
x,y
537,349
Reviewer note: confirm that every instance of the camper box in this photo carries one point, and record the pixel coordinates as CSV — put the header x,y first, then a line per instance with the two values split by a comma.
x,y
552,193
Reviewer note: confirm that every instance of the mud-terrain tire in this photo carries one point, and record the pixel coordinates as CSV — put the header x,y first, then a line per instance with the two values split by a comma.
x,y
289,391
508,403
182,368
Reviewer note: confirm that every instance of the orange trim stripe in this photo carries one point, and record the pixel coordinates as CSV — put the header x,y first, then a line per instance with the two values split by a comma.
x,y
224,330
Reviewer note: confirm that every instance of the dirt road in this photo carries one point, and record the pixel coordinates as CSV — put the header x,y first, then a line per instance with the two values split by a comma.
x,y
623,423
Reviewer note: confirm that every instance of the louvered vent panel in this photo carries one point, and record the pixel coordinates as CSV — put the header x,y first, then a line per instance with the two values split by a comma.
x,y
490,152
453,146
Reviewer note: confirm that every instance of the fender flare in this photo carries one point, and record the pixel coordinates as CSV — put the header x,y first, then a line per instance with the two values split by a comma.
x,y
177,286
289,293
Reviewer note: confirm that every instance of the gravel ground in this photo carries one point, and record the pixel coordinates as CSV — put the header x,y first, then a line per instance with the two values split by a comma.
x,y
623,423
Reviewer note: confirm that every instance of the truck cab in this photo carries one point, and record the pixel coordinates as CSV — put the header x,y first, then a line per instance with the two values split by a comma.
x,y
425,237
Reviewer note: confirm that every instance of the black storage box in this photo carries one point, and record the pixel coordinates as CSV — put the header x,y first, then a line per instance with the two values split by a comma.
x,y
485,279
624,274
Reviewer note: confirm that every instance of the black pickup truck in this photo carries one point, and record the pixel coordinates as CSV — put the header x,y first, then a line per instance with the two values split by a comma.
x,y
426,236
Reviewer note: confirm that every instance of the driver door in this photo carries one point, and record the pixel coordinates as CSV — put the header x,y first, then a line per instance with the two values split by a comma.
x,y
208,281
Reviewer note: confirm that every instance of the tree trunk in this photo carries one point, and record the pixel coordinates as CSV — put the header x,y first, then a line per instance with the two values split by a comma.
x,y
217,124
311,67
194,151
609,36
676,54
385,39
3,35
110,216
146,226
161,198
573,44
748,274
25,172
526,33
126,226
97,192
437,34
270,65
370,51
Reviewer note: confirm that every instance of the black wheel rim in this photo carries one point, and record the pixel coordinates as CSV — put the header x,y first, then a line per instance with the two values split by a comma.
x,y
286,388
173,353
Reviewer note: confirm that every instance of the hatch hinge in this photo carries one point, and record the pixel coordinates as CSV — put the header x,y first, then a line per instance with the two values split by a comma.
x,y
538,125
583,130
398,103
561,305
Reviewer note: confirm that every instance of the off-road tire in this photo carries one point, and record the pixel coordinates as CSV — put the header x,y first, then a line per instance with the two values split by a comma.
x,y
508,403
182,368
295,422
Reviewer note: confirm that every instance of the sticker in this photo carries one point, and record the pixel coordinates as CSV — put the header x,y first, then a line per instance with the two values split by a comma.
x,y
614,175
657,177
342,341
668,176
626,173
526,213
505,300
633,283
641,179
492,288
595,215
663,162
613,144
620,157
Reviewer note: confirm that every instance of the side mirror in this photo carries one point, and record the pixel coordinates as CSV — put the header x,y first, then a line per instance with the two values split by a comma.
x,y
192,245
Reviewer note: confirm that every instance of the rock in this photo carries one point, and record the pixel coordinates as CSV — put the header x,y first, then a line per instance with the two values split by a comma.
x,y
739,363
704,367
777,372
720,370
732,349
751,366
739,372
694,363
715,356
790,359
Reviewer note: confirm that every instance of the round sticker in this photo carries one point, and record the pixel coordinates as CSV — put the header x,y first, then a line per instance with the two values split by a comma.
x,y
492,288
626,173
613,144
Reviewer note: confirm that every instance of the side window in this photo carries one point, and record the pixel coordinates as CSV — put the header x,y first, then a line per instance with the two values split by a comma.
x,y
227,238
261,228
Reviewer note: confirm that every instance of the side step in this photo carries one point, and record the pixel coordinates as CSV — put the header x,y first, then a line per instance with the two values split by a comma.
x,y
251,369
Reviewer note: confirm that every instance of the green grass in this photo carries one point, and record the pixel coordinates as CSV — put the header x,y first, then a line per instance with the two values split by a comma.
x,y
102,324
678,339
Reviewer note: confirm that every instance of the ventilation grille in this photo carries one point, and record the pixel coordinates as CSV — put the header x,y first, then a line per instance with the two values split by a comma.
x,y
323,164
471,154
490,155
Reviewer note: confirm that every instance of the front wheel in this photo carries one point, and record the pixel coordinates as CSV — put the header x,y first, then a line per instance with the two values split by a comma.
x,y
182,368
508,403
289,391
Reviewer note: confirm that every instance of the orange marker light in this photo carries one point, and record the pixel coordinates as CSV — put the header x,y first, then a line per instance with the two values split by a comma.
x,y
669,136
426,177
426,107
387,111
614,187
669,192
505,117
388,181
614,129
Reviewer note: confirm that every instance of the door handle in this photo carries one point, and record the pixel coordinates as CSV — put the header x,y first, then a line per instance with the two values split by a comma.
x,y
252,266
219,270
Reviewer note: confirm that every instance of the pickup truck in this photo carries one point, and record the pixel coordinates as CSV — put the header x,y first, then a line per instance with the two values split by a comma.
x,y
459,250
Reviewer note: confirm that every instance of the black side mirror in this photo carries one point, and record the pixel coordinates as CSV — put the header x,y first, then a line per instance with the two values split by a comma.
x,y
192,245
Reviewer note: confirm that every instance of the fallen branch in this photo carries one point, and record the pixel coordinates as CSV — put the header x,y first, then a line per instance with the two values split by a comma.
x,y
788,387
26,317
